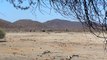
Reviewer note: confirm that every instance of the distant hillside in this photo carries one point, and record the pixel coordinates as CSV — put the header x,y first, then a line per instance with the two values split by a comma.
x,y
30,25
63,24
26,23
5,24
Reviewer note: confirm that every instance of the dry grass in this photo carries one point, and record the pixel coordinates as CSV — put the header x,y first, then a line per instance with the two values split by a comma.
x,y
53,46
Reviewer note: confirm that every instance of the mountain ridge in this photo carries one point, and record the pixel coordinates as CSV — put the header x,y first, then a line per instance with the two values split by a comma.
x,y
55,24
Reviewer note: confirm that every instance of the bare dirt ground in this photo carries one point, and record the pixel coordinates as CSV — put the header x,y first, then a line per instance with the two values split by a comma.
x,y
52,46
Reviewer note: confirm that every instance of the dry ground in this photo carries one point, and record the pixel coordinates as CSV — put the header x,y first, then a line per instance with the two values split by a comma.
x,y
52,46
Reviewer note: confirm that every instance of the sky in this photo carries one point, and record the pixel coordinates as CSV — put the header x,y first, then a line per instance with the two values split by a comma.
x,y
9,13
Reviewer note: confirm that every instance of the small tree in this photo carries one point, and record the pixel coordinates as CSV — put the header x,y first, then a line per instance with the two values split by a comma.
x,y
2,34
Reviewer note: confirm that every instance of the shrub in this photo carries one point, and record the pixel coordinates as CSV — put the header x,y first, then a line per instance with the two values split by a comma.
x,y
2,34
66,30
43,30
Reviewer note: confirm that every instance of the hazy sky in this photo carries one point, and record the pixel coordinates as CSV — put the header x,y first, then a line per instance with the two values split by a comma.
x,y
8,12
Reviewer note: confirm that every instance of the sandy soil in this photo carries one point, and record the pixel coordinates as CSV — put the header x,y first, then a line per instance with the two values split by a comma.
x,y
52,46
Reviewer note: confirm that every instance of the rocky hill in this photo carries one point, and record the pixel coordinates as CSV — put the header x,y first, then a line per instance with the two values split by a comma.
x,y
58,24
5,24
30,25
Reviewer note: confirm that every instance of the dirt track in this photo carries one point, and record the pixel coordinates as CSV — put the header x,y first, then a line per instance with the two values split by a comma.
x,y
52,46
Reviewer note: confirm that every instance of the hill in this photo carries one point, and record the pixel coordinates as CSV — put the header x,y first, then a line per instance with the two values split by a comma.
x,y
57,24
30,25
5,24
27,24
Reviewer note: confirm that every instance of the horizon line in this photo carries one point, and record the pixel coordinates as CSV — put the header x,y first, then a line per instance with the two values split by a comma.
x,y
38,20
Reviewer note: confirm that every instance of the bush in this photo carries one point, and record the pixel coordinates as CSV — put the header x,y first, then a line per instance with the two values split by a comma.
x,y
66,30
43,30
2,34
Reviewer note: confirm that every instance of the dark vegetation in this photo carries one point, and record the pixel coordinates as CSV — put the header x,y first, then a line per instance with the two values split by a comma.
x,y
2,34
